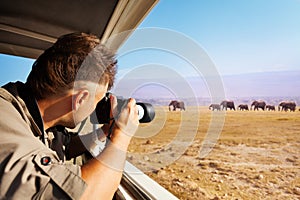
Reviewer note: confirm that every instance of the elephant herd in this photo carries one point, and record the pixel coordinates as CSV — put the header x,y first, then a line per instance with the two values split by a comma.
x,y
255,105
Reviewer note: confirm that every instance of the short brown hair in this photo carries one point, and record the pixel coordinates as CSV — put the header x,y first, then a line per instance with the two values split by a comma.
x,y
56,69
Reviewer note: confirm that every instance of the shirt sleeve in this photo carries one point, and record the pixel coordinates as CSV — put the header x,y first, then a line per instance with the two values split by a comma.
x,y
38,174
67,177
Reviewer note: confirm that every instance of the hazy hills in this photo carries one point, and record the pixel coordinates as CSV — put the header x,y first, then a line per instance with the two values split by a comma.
x,y
284,83
274,86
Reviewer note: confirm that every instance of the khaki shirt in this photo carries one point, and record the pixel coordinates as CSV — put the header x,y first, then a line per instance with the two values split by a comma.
x,y
28,168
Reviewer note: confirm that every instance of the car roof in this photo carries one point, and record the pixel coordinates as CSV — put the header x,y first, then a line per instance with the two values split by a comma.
x,y
29,27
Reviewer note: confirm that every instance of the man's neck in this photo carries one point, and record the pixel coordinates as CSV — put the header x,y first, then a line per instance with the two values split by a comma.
x,y
53,110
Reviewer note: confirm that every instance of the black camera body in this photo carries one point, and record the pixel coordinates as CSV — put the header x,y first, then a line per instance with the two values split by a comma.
x,y
101,114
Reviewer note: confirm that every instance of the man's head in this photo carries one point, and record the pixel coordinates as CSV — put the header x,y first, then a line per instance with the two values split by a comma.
x,y
56,69
73,65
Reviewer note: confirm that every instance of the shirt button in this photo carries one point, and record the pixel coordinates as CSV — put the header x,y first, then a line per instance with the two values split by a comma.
x,y
46,160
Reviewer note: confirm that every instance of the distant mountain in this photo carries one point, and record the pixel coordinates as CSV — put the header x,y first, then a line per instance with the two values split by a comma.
x,y
280,84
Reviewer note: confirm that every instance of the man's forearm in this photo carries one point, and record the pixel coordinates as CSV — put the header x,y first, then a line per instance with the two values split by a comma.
x,y
103,173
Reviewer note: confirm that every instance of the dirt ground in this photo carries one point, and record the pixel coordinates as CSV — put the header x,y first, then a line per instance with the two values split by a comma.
x,y
257,155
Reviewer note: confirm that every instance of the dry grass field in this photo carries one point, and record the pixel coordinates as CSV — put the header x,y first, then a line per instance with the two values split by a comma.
x,y
257,155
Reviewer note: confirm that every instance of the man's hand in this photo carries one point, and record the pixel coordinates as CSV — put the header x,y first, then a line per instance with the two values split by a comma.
x,y
126,122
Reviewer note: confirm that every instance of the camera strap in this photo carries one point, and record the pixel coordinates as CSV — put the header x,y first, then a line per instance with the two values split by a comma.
x,y
110,128
81,126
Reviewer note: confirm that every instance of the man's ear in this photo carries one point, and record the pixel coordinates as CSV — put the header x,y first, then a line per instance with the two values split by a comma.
x,y
80,98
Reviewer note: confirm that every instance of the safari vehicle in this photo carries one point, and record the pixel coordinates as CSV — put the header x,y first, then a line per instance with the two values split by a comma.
x,y
29,27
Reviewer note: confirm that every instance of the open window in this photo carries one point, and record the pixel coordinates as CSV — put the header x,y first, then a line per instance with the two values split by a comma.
x,y
27,28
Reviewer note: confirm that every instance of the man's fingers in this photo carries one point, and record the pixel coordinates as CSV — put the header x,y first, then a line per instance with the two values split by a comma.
x,y
132,101
114,104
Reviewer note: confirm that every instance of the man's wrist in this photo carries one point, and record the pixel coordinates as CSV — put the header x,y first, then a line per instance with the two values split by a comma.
x,y
120,139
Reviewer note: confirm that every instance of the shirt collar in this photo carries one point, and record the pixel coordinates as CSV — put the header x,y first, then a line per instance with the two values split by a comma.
x,y
31,104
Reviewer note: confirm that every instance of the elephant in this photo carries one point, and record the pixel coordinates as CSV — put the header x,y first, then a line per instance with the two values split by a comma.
x,y
287,105
176,104
243,107
258,104
227,104
270,107
214,107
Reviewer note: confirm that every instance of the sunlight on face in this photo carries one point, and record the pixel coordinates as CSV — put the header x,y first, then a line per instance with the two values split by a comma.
x,y
96,93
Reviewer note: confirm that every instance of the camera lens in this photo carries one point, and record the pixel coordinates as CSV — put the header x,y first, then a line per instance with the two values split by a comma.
x,y
146,112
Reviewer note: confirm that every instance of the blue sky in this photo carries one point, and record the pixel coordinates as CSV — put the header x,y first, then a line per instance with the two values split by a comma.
x,y
240,36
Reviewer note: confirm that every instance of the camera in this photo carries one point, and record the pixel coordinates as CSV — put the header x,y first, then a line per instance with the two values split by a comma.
x,y
101,114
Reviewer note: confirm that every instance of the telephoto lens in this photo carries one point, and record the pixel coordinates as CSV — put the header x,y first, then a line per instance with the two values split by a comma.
x,y
101,114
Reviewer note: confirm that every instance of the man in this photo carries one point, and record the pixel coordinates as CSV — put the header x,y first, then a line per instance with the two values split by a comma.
x,y
62,89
